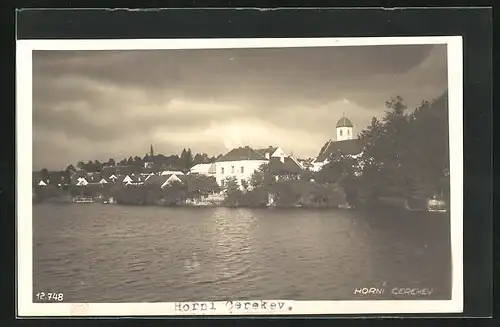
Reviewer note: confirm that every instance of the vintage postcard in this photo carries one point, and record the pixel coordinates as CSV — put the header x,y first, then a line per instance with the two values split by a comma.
x,y
239,176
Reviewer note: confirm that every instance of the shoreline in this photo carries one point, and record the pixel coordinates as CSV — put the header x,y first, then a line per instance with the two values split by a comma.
x,y
262,207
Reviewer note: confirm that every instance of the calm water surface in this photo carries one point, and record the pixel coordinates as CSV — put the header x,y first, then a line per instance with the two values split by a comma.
x,y
111,253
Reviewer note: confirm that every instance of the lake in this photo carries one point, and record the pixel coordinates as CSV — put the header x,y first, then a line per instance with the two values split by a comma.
x,y
113,253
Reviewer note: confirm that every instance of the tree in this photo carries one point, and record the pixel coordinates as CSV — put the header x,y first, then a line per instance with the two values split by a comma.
x,y
262,177
137,161
201,184
111,162
175,193
406,154
44,174
80,165
70,169
244,184
186,159
97,166
233,192
205,159
197,159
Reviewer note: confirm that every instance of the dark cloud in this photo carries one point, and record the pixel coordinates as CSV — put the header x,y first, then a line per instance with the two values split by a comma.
x,y
121,100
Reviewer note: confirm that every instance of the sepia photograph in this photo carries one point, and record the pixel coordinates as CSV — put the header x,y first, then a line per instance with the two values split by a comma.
x,y
243,176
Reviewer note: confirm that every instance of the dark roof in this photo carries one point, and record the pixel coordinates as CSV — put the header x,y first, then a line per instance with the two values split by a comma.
x,y
346,147
107,174
154,179
289,166
271,149
124,170
344,122
79,173
95,177
238,154
108,171
157,180
58,176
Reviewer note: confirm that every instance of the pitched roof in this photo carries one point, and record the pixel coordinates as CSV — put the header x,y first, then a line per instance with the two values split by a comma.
x,y
157,180
94,177
152,180
108,171
344,122
124,170
79,173
346,147
165,178
240,153
58,176
270,149
289,166
172,172
200,168
212,170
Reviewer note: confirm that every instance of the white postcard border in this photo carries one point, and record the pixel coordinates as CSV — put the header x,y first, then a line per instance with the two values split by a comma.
x,y
24,153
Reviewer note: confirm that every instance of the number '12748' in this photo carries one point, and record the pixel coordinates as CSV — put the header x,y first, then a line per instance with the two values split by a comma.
x,y
42,296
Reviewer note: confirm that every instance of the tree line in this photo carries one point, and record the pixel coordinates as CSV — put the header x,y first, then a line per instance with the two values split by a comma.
x,y
182,162
405,155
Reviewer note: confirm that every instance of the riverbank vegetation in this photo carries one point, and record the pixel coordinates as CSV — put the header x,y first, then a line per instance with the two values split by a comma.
x,y
406,154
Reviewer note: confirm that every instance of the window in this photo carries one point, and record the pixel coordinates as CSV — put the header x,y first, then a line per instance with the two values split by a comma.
x,y
222,170
232,169
348,132
340,132
222,182
242,169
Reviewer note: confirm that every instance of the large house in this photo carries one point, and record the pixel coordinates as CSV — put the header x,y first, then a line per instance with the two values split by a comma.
x,y
241,163
345,145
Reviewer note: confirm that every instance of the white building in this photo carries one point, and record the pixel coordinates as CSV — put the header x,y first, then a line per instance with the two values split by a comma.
x,y
345,145
82,182
344,129
203,169
239,163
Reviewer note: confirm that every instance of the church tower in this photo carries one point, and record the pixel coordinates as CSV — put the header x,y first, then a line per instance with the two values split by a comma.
x,y
151,152
344,129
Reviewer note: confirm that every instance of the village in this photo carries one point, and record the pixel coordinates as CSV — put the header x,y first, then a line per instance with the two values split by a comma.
x,y
207,183
381,165
244,176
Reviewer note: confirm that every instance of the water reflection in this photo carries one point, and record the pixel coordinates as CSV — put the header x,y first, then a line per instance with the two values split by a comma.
x,y
113,253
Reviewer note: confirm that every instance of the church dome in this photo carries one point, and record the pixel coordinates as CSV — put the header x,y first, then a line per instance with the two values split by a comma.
x,y
344,122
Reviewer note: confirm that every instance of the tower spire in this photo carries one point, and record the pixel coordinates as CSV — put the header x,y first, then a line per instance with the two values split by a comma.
x,y
151,152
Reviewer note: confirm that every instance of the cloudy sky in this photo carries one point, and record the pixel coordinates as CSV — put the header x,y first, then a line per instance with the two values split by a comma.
x,y
91,105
